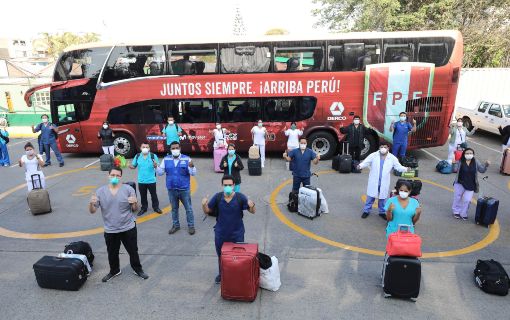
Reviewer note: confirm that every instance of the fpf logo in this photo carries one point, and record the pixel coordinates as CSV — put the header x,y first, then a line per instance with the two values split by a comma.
x,y
336,109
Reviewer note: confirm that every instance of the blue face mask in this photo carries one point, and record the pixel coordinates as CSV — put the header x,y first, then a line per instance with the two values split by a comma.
x,y
293,126
114,181
228,190
231,152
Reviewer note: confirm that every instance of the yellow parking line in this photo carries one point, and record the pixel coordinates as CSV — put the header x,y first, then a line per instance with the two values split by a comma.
x,y
493,234
80,233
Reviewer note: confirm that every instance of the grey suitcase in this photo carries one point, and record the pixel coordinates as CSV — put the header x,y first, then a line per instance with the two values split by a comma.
x,y
106,162
311,201
38,199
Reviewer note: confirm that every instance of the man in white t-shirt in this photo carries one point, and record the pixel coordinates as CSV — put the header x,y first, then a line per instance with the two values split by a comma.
x,y
259,134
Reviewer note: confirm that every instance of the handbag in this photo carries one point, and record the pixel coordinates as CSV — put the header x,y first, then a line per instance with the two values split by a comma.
x,y
404,243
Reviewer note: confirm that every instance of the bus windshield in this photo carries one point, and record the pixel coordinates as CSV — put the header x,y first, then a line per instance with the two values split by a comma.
x,y
79,64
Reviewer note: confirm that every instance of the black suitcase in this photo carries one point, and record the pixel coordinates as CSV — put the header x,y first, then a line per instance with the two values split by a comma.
x,y
293,201
335,162
345,160
401,277
60,273
410,162
81,247
132,185
106,162
254,167
486,211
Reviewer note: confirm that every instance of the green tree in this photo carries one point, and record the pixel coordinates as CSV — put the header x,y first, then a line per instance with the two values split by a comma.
x,y
276,31
485,24
59,41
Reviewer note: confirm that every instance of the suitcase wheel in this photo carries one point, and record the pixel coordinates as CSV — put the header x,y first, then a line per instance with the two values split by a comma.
x,y
387,295
413,299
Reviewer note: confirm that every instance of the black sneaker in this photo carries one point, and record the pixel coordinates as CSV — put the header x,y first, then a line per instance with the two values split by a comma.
x,y
383,216
110,276
217,280
158,210
364,215
174,229
141,212
191,230
141,274
61,165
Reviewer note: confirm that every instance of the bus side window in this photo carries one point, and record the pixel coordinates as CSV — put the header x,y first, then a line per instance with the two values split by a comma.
x,y
295,59
191,61
279,109
433,51
245,59
154,111
237,110
306,108
353,56
398,50
126,114
196,111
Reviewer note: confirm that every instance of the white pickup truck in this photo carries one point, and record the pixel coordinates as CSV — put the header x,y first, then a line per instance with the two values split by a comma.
x,y
487,116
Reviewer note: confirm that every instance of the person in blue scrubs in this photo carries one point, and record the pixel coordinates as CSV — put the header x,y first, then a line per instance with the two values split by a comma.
x,y
301,160
229,206
49,134
401,130
402,209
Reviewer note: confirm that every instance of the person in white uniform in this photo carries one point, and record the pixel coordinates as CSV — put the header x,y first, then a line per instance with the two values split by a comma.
x,y
220,136
259,134
33,163
458,134
293,141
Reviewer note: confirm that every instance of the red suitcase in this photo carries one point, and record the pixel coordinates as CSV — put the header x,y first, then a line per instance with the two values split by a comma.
x,y
239,271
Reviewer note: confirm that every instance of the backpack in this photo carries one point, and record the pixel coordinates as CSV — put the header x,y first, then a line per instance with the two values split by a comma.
x,y
491,277
444,167
215,212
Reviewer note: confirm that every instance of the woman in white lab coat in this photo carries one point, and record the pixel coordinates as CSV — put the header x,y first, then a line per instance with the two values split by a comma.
x,y
379,180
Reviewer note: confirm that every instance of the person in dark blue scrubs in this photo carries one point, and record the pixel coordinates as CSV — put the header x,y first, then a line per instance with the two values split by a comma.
x,y
301,160
48,135
401,130
228,206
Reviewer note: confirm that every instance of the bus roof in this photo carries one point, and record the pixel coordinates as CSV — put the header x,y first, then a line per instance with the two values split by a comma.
x,y
275,38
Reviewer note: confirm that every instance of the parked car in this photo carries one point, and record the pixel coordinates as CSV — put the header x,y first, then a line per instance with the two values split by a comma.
x,y
487,116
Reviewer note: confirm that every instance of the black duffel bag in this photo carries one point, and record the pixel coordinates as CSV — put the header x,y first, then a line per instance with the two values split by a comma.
x,y
80,247
491,277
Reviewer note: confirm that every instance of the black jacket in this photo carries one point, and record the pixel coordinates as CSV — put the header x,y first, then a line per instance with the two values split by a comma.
x,y
236,172
505,134
106,136
349,132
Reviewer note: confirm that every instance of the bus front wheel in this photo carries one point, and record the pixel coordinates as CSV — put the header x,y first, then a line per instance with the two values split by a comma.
x,y
124,145
323,143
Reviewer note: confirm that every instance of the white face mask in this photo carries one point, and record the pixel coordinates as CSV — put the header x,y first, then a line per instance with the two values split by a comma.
x,y
105,126
218,126
459,124
403,118
170,122
383,150
176,153
469,156
403,194
145,150
45,120
356,122
302,146
29,152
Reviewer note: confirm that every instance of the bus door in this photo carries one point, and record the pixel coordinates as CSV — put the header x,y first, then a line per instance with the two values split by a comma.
x,y
67,115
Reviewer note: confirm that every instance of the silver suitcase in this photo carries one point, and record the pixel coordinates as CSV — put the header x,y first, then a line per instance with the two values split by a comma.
x,y
311,201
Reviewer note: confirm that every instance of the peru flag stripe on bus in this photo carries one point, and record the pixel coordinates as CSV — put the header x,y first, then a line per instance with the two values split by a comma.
x,y
388,86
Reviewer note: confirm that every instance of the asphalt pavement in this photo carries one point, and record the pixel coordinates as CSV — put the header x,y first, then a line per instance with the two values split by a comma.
x,y
330,267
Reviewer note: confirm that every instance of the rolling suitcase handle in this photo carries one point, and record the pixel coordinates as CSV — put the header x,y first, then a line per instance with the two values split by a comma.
x,y
345,147
38,179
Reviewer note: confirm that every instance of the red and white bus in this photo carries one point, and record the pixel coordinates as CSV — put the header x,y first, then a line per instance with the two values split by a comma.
x,y
318,83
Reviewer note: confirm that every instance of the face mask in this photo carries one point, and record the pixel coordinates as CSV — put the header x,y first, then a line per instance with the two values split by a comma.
x,y
114,181
228,190
459,124
302,146
403,194
44,120
170,122
231,152
383,150
356,122
176,153
403,118
469,156
218,126
105,126
29,152
260,124
293,126
145,150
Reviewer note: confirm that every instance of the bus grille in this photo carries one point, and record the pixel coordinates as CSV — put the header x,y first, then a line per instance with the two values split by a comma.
x,y
427,113
429,104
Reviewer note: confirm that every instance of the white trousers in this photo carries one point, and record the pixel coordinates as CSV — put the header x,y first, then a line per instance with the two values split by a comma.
x,y
451,152
262,148
109,150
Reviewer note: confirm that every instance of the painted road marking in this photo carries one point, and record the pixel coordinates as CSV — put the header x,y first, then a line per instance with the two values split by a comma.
x,y
92,163
84,191
430,154
80,233
493,234
482,145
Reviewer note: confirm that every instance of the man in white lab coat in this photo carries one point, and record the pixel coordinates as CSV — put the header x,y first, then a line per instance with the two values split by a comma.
x,y
381,165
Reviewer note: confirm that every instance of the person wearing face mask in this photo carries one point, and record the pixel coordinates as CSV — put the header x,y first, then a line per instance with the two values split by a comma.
x,y
301,162
49,133
229,206
147,163
401,131
106,135
4,139
172,131
231,164
355,133
402,209
381,163
259,135
33,163
293,141
220,136
466,182
458,134
118,204
178,168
